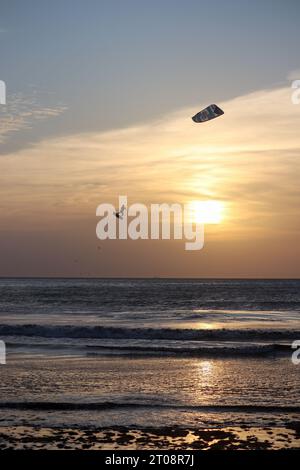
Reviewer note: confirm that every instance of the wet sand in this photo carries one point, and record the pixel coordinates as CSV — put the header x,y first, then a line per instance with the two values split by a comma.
x,y
173,438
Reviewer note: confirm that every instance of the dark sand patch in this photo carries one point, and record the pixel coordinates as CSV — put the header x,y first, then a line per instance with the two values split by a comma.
x,y
247,438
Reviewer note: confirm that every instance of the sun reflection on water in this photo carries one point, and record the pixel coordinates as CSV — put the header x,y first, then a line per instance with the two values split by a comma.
x,y
206,367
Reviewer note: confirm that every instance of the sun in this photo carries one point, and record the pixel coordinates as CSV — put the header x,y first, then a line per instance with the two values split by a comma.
x,y
206,212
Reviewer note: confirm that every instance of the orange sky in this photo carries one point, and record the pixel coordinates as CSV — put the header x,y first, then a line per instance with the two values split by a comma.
x,y
247,159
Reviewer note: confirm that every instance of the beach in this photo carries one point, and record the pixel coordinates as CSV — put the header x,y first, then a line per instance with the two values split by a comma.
x,y
245,438
145,364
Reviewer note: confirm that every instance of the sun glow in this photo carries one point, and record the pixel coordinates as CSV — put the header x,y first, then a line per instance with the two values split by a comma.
x,y
207,212
205,367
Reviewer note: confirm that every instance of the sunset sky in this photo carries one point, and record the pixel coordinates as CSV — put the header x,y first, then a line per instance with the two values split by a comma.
x,y
100,96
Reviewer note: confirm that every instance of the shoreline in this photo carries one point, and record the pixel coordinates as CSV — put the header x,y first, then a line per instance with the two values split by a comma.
x,y
163,438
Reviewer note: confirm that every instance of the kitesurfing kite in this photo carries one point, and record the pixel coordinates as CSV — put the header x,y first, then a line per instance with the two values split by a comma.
x,y
211,112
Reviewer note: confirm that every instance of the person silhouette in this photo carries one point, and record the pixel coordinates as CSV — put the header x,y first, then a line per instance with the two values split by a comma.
x,y
120,213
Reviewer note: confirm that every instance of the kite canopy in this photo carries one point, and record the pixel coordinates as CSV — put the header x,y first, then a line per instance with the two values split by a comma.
x,y
211,112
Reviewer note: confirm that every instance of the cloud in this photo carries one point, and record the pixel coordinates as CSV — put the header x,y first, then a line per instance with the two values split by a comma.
x,y
248,158
22,111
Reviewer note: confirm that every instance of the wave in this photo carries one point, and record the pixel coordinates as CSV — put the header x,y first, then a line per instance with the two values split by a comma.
x,y
106,405
181,349
101,332
203,350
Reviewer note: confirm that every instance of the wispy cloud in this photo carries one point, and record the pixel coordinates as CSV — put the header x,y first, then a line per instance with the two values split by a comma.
x,y
22,111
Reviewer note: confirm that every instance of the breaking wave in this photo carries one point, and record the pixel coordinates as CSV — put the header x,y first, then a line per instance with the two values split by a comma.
x,y
181,334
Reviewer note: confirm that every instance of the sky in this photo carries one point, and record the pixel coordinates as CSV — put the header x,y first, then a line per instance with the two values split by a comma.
x,y
99,100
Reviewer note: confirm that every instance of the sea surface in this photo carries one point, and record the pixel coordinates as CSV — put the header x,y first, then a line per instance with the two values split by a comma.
x,y
149,352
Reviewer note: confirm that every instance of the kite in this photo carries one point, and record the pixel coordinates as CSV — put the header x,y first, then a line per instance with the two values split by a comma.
x,y
211,112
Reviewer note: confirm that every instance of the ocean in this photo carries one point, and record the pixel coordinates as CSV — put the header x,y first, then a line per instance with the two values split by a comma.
x,y
149,353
